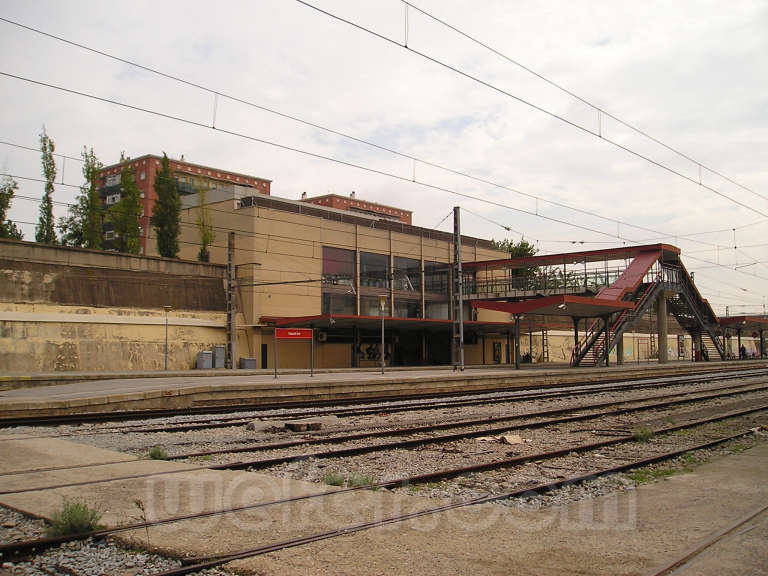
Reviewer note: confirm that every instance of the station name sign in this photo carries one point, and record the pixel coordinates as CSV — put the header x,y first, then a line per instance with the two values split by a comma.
x,y
293,333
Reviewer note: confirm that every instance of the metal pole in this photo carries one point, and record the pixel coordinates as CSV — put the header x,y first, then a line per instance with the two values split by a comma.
x,y
458,293
382,304
517,341
312,355
275,352
230,361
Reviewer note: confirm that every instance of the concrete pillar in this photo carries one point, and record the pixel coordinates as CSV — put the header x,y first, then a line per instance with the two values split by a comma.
x,y
575,332
697,348
661,317
620,350
509,348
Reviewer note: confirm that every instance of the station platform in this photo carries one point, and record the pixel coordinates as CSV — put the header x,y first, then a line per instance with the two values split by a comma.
x,y
180,391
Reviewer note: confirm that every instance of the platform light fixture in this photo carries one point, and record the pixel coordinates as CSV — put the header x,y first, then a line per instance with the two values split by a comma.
x,y
382,304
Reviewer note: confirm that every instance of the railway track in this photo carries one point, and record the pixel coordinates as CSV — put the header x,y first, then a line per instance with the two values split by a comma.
x,y
621,448
388,404
18,550
540,419
393,408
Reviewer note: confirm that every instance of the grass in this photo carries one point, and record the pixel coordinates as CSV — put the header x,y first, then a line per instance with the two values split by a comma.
x,y
644,476
737,448
74,517
157,453
333,479
642,434
358,480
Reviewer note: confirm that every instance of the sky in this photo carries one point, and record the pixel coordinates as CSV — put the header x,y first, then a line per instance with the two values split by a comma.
x,y
690,74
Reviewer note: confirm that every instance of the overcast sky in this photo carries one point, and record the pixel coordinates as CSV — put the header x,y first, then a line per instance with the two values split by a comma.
x,y
691,74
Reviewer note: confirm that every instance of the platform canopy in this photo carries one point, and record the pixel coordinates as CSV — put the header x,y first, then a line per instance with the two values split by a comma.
x,y
668,253
374,322
558,305
747,324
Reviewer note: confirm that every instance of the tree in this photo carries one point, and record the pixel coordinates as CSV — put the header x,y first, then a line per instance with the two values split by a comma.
x,y
45,231
522,249
82,226
7,228
125,215
204,225
166,214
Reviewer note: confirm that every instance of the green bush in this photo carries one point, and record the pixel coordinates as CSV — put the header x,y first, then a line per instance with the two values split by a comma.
x,y
358,480
333,479
75,517
642,433
157,453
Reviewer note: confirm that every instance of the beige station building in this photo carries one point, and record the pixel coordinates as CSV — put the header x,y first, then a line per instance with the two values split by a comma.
x,y
327,263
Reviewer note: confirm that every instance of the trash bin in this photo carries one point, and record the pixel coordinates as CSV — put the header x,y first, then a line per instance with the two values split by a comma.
x,y
248,364
219,356
204,360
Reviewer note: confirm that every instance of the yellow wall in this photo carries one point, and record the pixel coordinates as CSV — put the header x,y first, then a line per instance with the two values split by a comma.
x,y
45,338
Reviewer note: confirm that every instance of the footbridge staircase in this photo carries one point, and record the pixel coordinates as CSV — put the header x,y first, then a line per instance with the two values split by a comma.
x,y
645,279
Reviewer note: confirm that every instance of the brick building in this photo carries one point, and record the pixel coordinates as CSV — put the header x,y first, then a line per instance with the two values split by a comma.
x,y
352,204
190,178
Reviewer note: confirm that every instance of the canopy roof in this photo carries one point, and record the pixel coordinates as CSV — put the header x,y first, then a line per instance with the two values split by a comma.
x,y
669,253
374,322
558,305
747,324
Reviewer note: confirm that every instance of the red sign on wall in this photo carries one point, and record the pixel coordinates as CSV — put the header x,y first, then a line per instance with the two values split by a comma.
x,y
293,333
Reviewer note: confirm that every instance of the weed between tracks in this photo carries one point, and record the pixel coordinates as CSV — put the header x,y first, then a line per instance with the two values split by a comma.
x,y
642,433
74,517
333,479
157,453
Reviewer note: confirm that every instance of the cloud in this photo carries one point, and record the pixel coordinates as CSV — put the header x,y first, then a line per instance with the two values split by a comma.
x,y
689,76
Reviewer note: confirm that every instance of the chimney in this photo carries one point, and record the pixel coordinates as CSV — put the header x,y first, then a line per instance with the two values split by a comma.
x,y
303,195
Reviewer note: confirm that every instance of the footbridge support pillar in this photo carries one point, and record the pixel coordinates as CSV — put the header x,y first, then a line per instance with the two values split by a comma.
x,y
661,315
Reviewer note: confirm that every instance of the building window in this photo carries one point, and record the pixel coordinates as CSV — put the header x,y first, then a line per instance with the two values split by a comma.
x,y
436,278
142,176
374,270
338,267
407,308
407,275
335,303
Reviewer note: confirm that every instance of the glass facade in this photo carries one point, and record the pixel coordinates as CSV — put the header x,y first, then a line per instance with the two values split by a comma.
x,y
407,274
338,266
374,270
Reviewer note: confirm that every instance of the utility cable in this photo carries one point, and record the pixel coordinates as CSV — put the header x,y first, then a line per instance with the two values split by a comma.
x,y
239,100
583,100
308,153
530,104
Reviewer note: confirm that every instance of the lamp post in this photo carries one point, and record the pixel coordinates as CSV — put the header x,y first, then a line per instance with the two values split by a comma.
x,y
167,309
382,303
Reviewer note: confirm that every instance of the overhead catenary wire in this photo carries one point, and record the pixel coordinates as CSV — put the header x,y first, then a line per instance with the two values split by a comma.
x,y
292,239
561,241
583,100
218,93
530,104
310,154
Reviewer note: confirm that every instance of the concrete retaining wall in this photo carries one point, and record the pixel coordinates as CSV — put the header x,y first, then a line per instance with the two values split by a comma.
x,y
31,272
72,309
